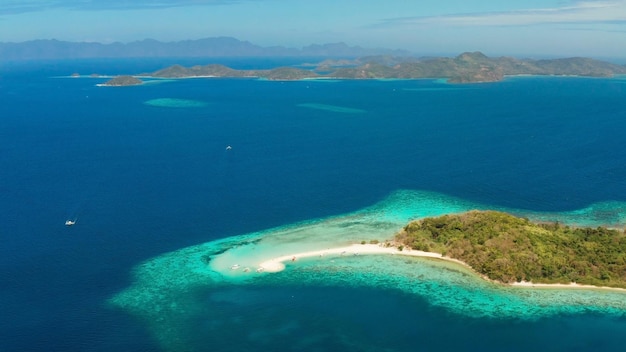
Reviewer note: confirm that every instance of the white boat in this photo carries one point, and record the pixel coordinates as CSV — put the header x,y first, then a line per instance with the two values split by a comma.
x,y
69,222
235,267
229,148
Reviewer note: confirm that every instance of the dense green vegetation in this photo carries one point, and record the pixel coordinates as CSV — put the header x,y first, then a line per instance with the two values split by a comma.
x,y
508,249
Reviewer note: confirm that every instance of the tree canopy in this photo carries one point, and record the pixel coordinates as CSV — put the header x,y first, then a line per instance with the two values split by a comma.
x,y
506,248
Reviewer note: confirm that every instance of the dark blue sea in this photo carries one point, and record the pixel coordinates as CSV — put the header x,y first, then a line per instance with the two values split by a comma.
x,y
142,180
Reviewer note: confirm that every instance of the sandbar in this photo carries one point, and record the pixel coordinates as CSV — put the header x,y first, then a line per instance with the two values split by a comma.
x,y
277,264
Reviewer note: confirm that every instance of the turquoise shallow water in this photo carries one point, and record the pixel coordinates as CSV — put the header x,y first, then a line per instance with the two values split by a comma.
x,y
161,291
175,103
333,108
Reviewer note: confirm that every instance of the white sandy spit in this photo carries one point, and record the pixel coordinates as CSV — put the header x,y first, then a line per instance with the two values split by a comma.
x,y
276,264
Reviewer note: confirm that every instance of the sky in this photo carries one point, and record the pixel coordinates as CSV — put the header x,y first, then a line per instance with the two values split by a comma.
x,y
594,28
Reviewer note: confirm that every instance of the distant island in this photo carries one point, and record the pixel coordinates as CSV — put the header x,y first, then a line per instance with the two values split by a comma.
x,y
471,67
339,60
509,249
121,81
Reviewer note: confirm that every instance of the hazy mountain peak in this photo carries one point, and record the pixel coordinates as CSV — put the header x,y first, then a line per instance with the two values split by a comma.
x,y
206,47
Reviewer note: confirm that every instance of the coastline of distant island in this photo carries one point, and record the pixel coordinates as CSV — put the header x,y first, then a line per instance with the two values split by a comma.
x,y
469,67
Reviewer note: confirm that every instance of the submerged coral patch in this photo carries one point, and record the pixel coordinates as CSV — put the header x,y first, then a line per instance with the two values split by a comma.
x,y
175,103
333,108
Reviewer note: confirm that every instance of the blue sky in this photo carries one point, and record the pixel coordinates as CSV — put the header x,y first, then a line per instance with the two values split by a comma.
x,y
594,28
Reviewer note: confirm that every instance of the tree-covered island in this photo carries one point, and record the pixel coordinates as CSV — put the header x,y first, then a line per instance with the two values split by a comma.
x,y
465,68
509,249
121,81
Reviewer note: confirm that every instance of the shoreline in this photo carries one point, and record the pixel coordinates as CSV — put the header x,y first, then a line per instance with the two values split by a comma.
x,y
444,80
571,285
277,264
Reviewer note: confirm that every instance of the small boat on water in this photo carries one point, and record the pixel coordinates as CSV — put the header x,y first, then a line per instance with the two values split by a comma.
x,y
235,267
69,222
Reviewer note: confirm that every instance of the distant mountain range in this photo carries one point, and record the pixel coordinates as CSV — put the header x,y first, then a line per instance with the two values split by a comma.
x,y
465,68
208,47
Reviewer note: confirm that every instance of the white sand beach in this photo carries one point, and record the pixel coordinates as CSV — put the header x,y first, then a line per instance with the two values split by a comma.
x,y
571,285
277,264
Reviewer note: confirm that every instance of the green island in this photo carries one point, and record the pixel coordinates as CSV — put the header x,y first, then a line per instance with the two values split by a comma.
x,y
509,249
124,80
469,67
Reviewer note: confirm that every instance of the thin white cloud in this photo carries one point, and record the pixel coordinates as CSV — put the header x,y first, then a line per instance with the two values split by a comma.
x,y
577,13
23,6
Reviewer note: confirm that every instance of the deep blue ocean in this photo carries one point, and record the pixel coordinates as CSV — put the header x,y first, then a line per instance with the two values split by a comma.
x,y
142,180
